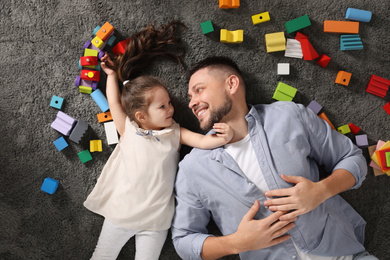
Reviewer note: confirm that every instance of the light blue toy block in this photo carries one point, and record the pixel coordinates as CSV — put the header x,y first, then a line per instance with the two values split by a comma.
x,y
60,143
111,40
49,185
350,42
361,141
100,100
97,28
358,15
56,102
315,107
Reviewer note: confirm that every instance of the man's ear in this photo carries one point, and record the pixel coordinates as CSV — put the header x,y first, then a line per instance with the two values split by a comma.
x,y
233,82
140,116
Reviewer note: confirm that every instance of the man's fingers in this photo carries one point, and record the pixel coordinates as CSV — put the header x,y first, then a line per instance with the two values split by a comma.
x,y
273,217
252,211
283,230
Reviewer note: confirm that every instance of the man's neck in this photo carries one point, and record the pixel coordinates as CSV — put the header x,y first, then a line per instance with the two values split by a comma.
x,y
239,125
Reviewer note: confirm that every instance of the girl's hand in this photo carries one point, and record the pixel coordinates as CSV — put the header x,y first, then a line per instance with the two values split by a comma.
x,y
223,130
107,60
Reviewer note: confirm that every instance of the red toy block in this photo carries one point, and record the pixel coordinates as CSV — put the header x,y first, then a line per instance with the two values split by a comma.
x,y
308,51
378,86
299,36
386,107
354,129
88,61
323,60
90,75
382,159
120,47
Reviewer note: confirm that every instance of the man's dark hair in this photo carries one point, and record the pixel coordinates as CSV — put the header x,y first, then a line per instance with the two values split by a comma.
x,y
213,62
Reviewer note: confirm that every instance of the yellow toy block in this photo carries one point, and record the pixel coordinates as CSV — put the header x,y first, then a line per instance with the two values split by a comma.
x,y
84,89
344,129
97,42
95,146
226,4
232,36
275,42
105,31
90,52
260,18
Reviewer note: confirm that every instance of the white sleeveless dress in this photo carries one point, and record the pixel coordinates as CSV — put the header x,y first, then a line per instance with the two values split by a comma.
x,y
135,188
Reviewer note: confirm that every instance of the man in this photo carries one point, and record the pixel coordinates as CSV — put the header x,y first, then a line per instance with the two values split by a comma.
x,y
271,160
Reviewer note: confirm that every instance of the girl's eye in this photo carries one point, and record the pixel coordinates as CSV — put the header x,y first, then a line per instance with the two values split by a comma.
x,y
162,106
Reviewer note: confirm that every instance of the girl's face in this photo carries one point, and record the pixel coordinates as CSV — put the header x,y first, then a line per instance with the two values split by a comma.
x,y
160,111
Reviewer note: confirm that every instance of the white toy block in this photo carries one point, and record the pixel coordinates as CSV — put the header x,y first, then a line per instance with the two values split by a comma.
x,y
293,49
283,68
111,133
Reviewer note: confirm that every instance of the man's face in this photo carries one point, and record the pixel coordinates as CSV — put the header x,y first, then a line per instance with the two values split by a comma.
x,y
209,100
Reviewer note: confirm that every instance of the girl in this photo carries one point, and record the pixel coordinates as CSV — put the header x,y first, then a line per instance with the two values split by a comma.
x,y
135,189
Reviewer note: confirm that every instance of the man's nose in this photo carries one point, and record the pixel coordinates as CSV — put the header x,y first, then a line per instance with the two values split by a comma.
x,y
193,103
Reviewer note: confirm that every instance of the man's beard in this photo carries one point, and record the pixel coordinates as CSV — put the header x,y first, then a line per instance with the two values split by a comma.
x,y
216,116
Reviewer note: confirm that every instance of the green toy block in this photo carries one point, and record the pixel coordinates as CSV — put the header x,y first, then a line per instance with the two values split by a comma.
x,y
85,156
297,24
207,27
344,129
284,92
387,159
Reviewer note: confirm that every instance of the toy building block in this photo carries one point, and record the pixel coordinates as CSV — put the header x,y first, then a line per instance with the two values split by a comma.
x,y
105,31
89,61
86,83
361,141
63,123
100,100
97,42
323,116
78,131
344,129
293,49
275,42
297,24
284,92
354,128
111,133
371,150
376,156
84,89
323,60
90,75
232,36
309,53
207,27
104,117
382,159
226,4
56,102
95,146
358,15
341,27
315,107
387,159
350,43
343,78
386,107
60,143
85,156
260,18
378,86
120,47
49,185
299,36
283,68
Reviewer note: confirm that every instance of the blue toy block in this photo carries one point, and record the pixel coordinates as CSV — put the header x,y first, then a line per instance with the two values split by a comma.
x,y
350,42
358,15
56,102
100,100
315,107
49,185
60,143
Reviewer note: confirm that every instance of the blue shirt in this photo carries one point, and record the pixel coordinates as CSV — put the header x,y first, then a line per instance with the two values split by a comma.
x,y
287,139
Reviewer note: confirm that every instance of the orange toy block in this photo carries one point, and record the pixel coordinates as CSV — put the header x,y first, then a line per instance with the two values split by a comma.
x,y
226,4
104,117
309,53
323,116
341,27
343,78
105,31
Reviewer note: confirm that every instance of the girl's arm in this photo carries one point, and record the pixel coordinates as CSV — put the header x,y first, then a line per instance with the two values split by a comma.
x,y
113,96
223,136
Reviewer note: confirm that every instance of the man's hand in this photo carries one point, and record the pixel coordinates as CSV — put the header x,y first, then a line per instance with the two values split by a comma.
x,y
300,199
223,130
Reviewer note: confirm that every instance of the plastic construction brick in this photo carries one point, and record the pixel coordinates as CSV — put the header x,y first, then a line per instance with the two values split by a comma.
x,y
207,27
387,159
361,141
275,41
120,47
378,86
95,146
105,31
283,68
343,78
232,36
85,156
344,129
323,60
323,116
358,15
86,83
315,107
104,117
226,4
309,53
350,42
341,27
297,24
260,18
100,100
49,185
60,143
354,128
63,123
84,89
284,92
56,102
90,75
111,133
78,131
293,49
299,36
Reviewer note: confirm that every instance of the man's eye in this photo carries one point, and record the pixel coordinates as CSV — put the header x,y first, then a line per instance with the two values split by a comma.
x,y
199,89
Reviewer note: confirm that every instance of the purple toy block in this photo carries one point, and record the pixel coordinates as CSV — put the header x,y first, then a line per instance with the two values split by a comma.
x,y
63,123
87,83
361,141
315,107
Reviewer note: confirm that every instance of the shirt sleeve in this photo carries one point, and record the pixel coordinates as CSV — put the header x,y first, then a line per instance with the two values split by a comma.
x,y
189,227
331,148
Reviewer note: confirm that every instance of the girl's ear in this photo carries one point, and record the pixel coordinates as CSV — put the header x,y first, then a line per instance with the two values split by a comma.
x,y
140,116
233,82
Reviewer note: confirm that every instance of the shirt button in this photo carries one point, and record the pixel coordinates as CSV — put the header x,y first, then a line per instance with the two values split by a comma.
x,y
294,256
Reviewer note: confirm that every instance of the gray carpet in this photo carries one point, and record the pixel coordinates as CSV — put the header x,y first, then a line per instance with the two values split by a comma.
x,y
41,42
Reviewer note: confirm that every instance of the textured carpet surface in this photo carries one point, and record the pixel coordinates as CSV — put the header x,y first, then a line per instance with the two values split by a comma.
x,y
41,42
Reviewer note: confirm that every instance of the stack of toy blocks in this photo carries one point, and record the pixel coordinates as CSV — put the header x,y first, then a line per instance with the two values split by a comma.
x,y
381,157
